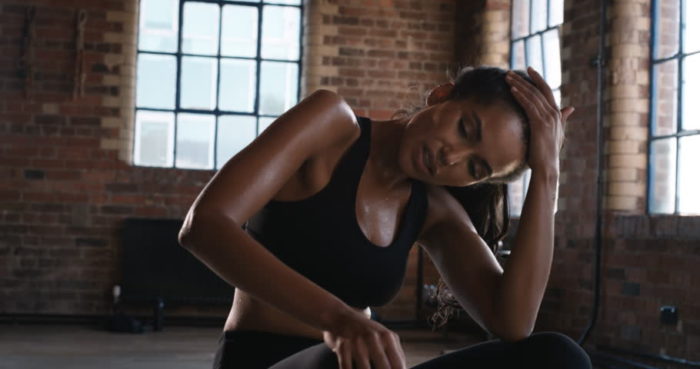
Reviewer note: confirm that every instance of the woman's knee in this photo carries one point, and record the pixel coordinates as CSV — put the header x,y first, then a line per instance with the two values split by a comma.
x,y
554,350
314,357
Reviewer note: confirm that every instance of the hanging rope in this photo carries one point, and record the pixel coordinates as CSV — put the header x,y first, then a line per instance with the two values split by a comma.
x,y
79,73
26,62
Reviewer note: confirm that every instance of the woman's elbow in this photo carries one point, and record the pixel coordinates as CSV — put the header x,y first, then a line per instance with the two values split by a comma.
x,y
196,226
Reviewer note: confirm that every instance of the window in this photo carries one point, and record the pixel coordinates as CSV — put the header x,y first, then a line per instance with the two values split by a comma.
x,y
674,135
534,42
211,75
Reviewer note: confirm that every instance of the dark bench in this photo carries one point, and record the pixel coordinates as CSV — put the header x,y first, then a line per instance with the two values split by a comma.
x,y
156,270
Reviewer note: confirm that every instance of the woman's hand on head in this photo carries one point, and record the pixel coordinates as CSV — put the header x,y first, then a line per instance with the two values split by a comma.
x,y
361,343
547,122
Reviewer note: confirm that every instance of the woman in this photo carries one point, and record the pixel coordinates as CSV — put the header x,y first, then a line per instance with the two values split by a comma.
x,y
333,202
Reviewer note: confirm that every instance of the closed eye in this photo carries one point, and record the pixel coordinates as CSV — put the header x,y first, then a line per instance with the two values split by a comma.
x,y
478,168
463,129
472,170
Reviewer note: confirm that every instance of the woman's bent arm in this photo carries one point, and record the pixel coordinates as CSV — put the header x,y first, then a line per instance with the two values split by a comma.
x,y
212,228
212,231
505,300
527,270
241,261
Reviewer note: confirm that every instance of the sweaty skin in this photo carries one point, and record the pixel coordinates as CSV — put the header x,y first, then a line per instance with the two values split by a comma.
x,y
384,186
294,159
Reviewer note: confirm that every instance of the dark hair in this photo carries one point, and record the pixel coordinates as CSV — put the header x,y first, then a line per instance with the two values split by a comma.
x,y
488,86
486,203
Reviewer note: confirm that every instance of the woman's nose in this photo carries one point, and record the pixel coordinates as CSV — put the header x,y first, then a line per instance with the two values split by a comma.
x,y
451,155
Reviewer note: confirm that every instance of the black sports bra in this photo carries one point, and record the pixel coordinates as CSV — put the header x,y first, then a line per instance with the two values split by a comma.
x,y
320,238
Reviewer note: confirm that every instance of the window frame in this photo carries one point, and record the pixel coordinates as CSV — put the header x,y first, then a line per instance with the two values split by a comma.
x,y
511,62
216,112
678,57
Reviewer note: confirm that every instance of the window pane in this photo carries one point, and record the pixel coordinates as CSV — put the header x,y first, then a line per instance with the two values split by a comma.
x,y
280,33
195,141
518,57
557,96
691,91
520,18
287,2
234,133
667,26
198,83
534,53
666,98
552,59
688,175
158,25
538,16
153,142
239,31
237,85
516,193
663,176
556,12
155,82
200,30
264,122
691,37
278,87
245,1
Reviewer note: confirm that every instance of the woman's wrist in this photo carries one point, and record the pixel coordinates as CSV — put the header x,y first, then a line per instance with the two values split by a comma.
x,y
334,314
547,176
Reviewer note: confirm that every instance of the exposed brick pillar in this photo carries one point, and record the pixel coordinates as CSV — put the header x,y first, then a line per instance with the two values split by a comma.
x,y
483,33
496,34
125,82
628,101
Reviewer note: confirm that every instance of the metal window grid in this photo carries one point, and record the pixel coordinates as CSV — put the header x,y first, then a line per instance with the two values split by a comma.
x,y
529,35
678,57
179,54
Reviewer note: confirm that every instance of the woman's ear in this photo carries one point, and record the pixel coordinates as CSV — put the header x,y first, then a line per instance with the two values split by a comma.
x,y
440,93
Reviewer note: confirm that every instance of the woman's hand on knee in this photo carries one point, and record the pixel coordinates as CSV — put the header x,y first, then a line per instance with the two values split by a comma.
x,y
360,343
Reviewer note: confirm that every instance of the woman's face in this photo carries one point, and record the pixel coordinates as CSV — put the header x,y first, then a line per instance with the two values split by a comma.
x,y
459,143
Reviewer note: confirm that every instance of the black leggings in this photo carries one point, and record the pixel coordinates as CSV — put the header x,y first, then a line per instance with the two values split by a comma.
x,y
262,350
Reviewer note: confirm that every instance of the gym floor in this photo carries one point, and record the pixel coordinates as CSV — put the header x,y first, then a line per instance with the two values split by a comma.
x,y
85,347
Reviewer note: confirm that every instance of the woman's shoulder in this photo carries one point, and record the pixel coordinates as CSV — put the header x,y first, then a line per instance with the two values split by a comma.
x,y
326,117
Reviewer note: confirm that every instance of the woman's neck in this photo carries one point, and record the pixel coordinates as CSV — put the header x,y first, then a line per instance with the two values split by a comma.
x,y
384,152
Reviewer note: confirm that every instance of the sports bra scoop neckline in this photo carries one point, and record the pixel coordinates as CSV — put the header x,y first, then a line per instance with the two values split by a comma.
x,y
362,147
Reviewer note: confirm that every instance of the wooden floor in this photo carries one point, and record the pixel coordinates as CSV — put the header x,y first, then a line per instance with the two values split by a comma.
x,y
82,347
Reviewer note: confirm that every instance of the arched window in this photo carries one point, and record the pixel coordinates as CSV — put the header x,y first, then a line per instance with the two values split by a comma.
x,y
211,75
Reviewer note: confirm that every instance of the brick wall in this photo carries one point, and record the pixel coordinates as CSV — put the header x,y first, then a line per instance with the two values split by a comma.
x,y
67,181
566,304
380,55
648,261
66,184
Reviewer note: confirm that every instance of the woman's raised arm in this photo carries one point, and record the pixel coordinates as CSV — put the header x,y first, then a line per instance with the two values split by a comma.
x,y
506,300
527,270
